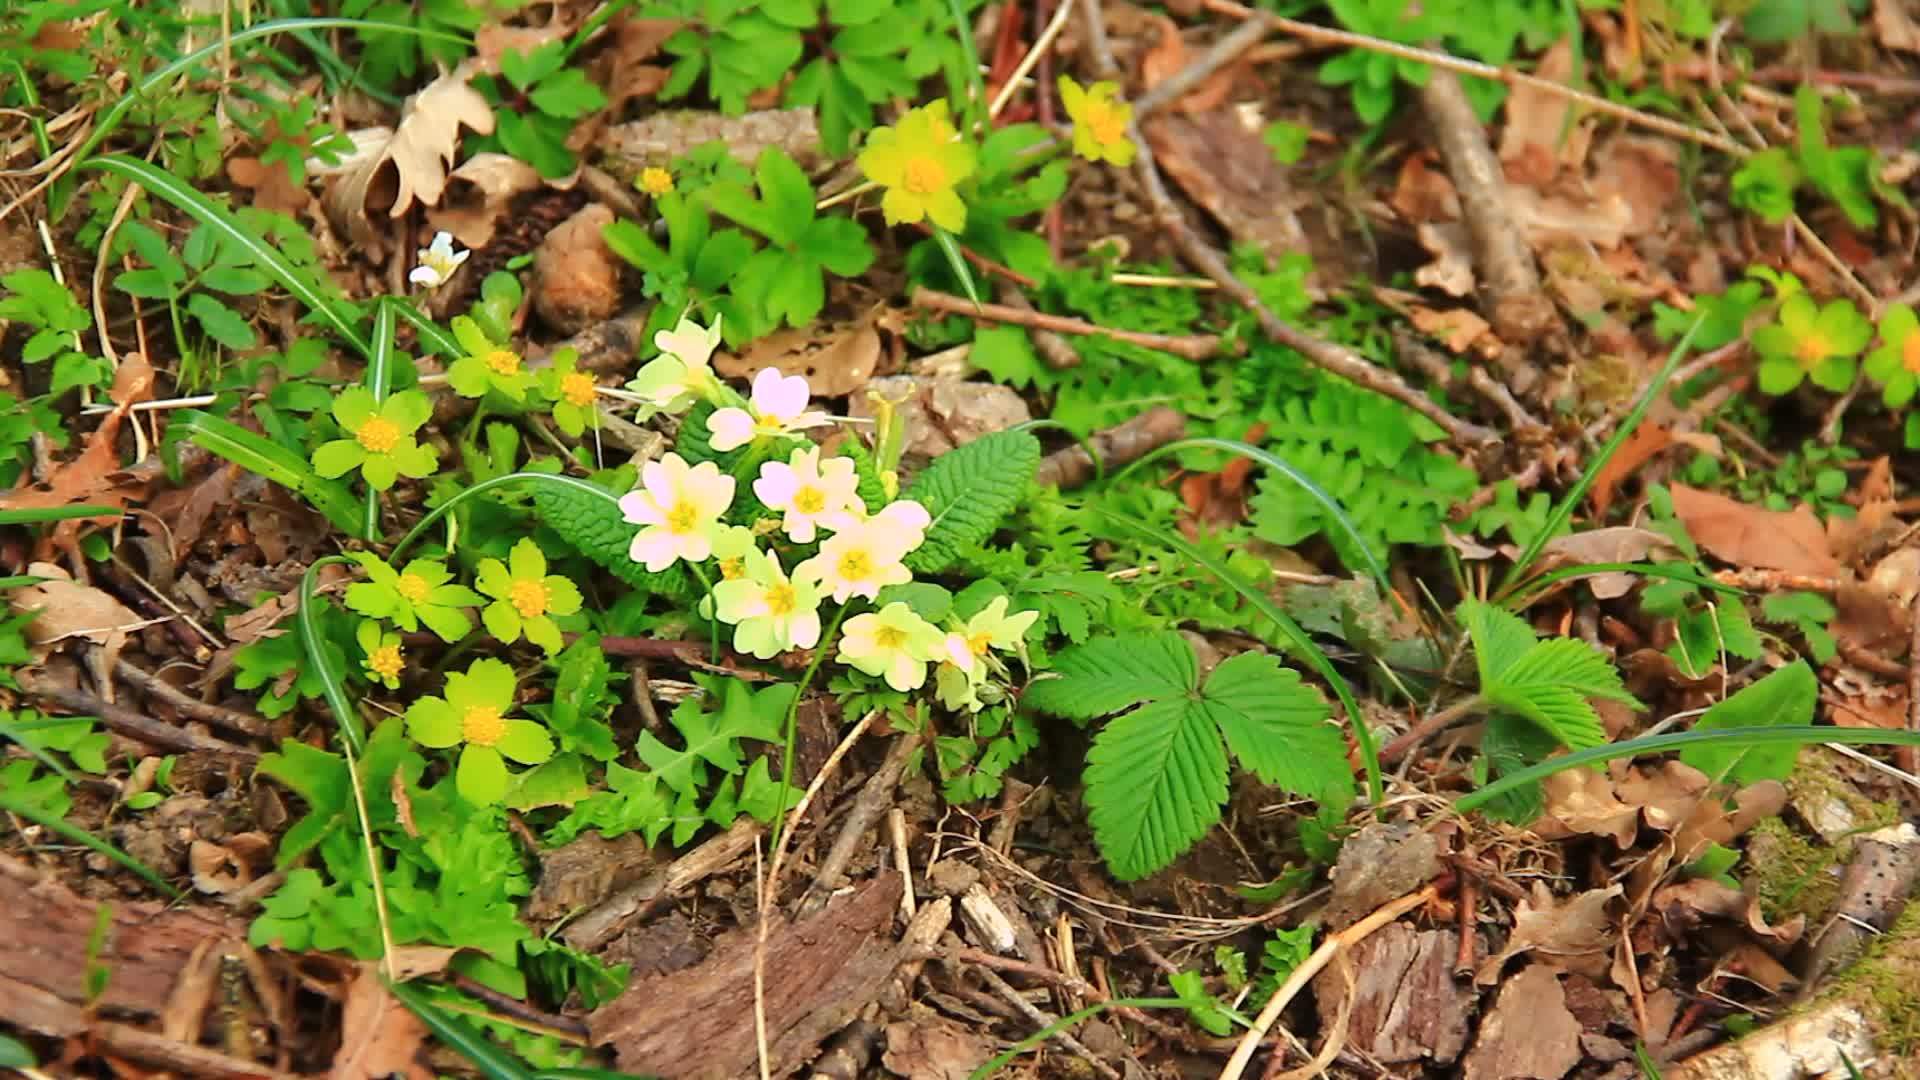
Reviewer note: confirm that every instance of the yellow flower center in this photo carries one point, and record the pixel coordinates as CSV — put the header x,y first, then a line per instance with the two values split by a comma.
x,y
809,499
977,644
378,435
529,598
765,426
732,568
855,566
683,518
924,176
482,726
503,362
413,588
656,181
1910,353
1106,122
385,662
1811,349
578,389
781,601
890,637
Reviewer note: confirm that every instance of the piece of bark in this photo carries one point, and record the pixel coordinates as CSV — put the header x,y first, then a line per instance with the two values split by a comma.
x,y
1119,445
1380,862
820,973
1529,1033
1873,892
33,1009
45,927
593,929
1515,302
664,136
1407,1004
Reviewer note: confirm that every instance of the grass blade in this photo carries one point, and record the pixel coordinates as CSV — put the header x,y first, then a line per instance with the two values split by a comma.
x,y
1565,508
338,315
1362,735
1525,593
1658,744
379,363
1279,464
40,515
431,334
273,461
486,1057
957,262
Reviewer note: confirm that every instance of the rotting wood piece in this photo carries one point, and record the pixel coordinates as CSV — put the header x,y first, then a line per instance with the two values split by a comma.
x,y
45,927
1407,1004
820,973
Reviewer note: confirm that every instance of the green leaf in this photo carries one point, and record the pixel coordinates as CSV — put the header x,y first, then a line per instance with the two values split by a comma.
x,y
145,283
1786,697
1546,682
272,461
785,192
967,491
1156,779
220,322
321,780
234,280
1108,674
1277,727
567,93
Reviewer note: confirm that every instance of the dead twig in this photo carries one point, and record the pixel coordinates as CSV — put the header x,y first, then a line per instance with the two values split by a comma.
x,y
1516,303
124,721
875,795
235,720
1040,1018
1119,445
1192,347
1224,52
1322,956
1053,348
597,927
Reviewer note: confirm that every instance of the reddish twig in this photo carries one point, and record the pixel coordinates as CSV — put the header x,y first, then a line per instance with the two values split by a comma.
x,y
1192,347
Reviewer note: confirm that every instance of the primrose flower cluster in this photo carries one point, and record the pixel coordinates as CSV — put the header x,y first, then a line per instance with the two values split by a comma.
x,y
842,550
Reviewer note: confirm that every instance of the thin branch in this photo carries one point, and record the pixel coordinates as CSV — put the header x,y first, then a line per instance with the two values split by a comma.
x,y
1224,52
1192,347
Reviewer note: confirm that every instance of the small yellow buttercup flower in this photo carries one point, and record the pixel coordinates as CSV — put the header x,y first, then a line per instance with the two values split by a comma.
x,y
384,657
918,161
1099,121
655,181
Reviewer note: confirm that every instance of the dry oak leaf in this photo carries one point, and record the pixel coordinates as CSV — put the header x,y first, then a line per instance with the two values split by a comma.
x,y
477,196
1576,934
69,609
420,150
1791,541
1582,801
1168,57
836,363
1538,141
379,1036
1614,544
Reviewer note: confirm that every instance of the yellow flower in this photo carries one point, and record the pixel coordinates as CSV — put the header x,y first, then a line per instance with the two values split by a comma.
x,y
526,597
893,643
655,181
918,161
858,561
1099,122
385,659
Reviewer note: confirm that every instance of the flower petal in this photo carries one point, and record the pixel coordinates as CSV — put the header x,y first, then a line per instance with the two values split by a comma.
x,y
491,683
655,548
354,407
544,632
338,458
502,620
433,723
563,596
481,777
525,742
729,429
380,471
526,561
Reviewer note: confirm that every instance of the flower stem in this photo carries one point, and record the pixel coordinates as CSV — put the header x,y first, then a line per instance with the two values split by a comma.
x,y
793,720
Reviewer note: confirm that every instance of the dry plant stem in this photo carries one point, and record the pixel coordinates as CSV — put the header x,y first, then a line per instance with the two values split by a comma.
x,y
598,926
1337,359
1224,52
1322,956
1419,732
769,890
1323,35
125,721
1122,444
1516,303
1438,367
1053,348
1905,756
1771,580
1830,426
219,715
1336,1036
1040,1019
875,795
1192,347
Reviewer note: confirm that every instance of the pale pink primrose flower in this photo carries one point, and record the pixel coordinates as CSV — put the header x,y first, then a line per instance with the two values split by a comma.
x,y
809,491
905,519
858,561
680,507
778,407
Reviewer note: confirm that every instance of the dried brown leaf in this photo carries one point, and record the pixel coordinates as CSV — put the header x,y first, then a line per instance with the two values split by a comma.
x,y
1542,133
1583,801
478,194
412,165
836,363
1575,934
379,1036
1615,544
1750,536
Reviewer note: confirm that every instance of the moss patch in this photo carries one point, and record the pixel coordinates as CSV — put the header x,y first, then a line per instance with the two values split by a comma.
x,y
1794,873
1888,977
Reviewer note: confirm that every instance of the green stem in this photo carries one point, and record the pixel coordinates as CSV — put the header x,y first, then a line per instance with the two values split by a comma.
x,y
378,376
484,487
713,625
332,684
793,721
1006,1056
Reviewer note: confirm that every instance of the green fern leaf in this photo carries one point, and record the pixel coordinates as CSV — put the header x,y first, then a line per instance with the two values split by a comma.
x,y
968,491
1156,779
866,471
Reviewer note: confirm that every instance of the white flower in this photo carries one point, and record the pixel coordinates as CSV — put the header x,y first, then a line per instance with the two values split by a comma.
x,y
680,507
811,492
771,613
438,261
779,407
858,561
672,381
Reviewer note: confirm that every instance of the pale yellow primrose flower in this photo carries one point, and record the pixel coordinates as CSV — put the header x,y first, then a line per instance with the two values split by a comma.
x,y
990,627
859,560
810,492
770,612
438,261
778,408
902,518
731,546
680,505
893,643
680,375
